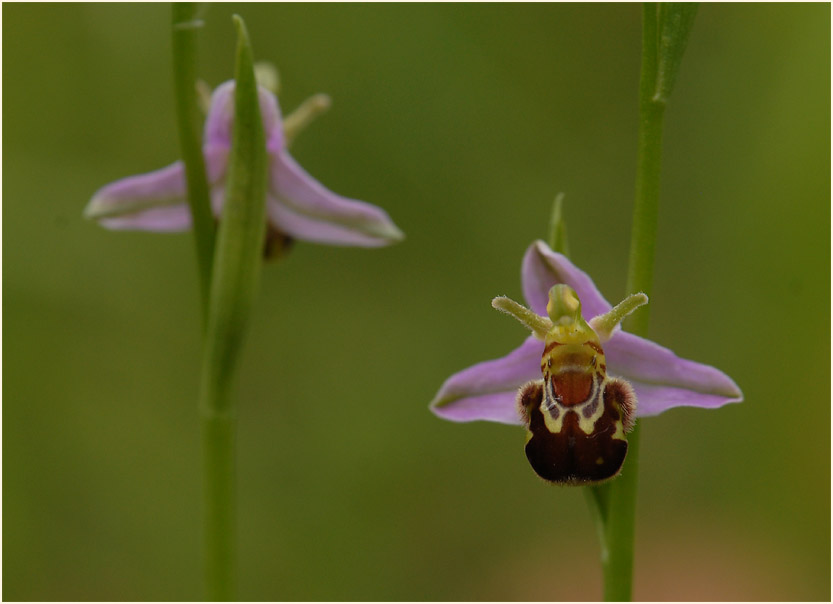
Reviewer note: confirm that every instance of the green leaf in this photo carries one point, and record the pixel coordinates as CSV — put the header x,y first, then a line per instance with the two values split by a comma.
x,y
234,281
239,251
558,227
675,22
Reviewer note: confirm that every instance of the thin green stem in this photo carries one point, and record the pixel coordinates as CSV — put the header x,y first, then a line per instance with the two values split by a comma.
x,y
598,510
218,436
620,494
649,157
185,24
619,530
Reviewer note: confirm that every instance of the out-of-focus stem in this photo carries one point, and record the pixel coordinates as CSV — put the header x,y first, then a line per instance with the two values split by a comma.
x,y
189,123
619,496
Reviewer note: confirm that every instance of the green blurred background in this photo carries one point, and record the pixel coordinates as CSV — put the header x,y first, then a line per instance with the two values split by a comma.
x,y
463,121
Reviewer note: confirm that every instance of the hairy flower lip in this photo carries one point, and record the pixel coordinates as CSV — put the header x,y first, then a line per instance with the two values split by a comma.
x,y
661,379
297,205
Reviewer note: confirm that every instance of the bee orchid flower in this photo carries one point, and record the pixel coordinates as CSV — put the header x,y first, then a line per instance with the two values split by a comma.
x,y
297,205
659,378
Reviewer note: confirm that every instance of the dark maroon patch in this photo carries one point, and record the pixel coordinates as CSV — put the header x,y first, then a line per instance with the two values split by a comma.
x,y
572,387
571,456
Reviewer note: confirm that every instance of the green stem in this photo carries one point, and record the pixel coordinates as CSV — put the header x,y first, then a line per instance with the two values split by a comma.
x,y
189,120
619,529
619,496
218,436
596,500
649,160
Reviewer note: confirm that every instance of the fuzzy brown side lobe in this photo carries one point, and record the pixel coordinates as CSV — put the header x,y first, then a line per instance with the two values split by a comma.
x,y
621,393
529,397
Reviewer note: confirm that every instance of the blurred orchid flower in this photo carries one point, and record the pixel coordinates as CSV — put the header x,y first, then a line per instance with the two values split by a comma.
x,y
660,379
297,205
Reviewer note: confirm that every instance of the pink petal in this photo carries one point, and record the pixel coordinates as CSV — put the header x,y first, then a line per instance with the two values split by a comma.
x,y
487,391
219,124
162,220
663,380
496,407
542,268
302,207
653,399
154,202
